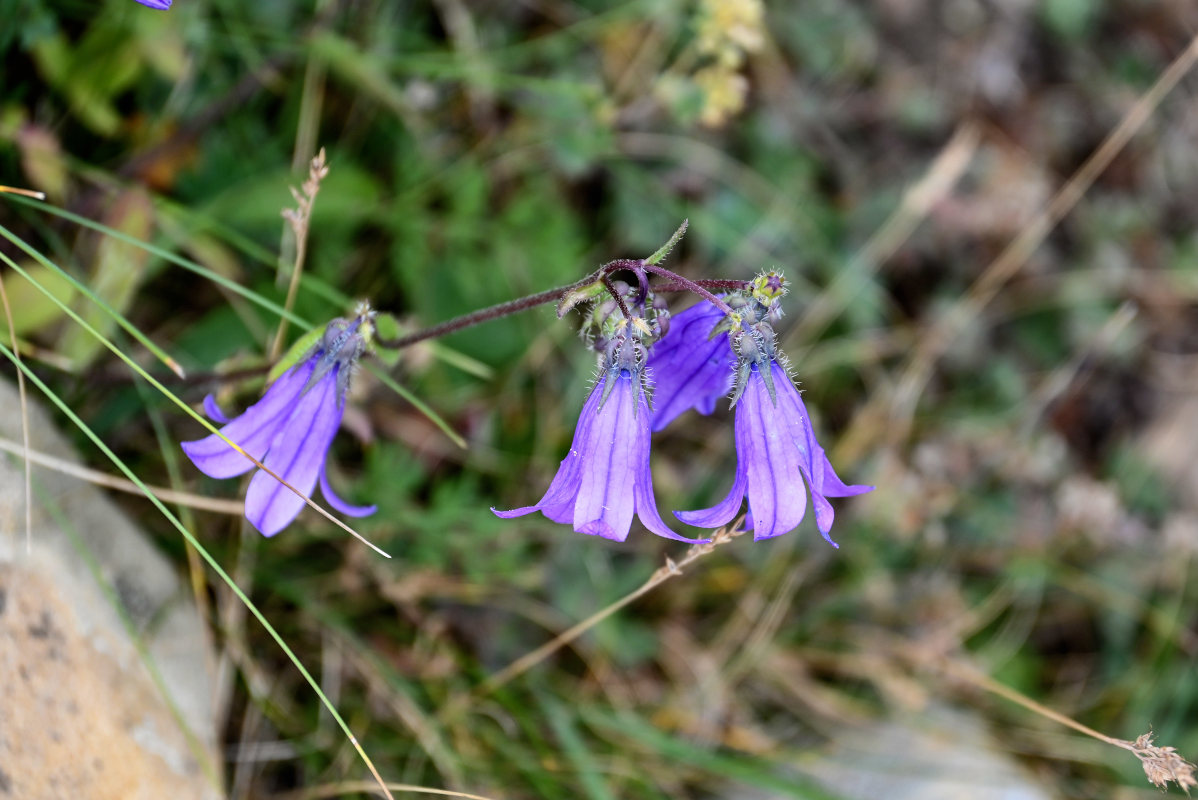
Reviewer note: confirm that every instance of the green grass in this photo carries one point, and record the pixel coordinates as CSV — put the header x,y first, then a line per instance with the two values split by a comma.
x,y
481,152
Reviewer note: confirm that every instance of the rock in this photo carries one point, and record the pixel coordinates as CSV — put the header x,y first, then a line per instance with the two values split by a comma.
x,y
935,753
81,714
939,753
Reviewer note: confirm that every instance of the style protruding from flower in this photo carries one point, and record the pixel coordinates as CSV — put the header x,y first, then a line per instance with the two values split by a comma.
x,y
290,429
775,445
604,480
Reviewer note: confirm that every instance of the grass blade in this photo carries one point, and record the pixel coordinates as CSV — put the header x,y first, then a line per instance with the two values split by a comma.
x,y
433,417
261,302
194,542
188,409
178,260
117,316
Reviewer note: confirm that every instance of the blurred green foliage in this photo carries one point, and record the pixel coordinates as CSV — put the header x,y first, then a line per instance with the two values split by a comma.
x,y
1034,518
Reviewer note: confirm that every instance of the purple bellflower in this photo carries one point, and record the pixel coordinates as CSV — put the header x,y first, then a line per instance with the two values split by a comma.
x,y
690,367
605,479
289,430
161,5
775,451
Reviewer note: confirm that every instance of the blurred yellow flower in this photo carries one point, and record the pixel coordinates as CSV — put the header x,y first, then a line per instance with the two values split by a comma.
x,y
730,28
724,92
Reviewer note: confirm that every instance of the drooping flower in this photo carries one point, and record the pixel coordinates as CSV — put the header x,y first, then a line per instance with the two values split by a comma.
x,y
161,5
689,367
289,430
605,479
776,451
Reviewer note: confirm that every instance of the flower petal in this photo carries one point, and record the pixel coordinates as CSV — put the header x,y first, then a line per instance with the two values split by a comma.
x,y
816,466
827,483
339,504
724,511
297,456
776,491
690,370
824,516
606,502
645,502
558,502
824,482
214,411
253,430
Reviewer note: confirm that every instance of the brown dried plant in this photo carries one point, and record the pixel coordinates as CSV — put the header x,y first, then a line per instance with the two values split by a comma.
x,y
1162,764
299,218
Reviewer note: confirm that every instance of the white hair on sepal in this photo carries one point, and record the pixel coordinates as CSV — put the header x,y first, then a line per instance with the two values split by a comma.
x,y
649,384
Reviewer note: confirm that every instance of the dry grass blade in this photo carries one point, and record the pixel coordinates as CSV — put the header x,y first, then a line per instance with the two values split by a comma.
x,y
308,500
298,219
1057,383
530,659
16,350
194,542
1162,765
157,384
351,787
410,714
918,201
1011,259
95,476
23,192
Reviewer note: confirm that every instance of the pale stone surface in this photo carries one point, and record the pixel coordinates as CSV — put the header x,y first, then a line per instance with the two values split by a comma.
x,y
939,754
935,753
80,714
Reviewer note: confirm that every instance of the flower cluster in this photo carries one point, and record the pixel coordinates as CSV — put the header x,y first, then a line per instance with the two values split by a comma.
x,y
289,430
726,32
604,480
653,367
692,359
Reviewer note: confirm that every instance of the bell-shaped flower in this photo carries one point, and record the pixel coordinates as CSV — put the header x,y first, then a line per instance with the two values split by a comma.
x,y
689,367
776,451
161,5
605,479
289,430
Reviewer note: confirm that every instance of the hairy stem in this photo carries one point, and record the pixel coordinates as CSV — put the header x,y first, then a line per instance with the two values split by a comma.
x,y
713,283
692,285
483,315
638,266
619,298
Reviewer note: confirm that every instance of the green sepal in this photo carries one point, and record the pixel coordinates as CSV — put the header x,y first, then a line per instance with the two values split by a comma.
x,y
571,299
665,249
295,353
608,386
742,380
767,375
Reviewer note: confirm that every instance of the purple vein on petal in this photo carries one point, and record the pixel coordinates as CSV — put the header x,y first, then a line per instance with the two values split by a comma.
x,y
605,500
253,430
296,456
